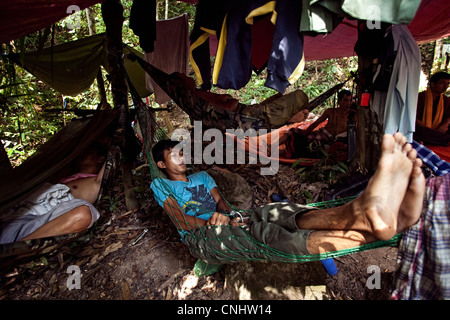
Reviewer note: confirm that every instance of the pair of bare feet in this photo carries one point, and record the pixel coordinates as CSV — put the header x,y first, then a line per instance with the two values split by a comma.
x,y
391,203
393,199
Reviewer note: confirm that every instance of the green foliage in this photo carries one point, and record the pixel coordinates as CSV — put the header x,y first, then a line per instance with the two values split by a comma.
x,y
326,170
319,76
111,203
253,92
24,124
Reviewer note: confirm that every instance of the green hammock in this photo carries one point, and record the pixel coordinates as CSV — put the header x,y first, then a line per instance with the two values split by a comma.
x,y
260,251
219,253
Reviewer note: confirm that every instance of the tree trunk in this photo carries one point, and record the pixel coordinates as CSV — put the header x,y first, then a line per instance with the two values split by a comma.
x,y
369,130
100,82
437,63
112,11
5,163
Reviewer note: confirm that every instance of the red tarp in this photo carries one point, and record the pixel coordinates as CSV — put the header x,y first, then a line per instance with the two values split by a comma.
x,y
21,17
431,22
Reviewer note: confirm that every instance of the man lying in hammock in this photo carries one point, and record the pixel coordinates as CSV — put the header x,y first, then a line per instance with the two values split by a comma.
x,y
297,141
391,203
57,209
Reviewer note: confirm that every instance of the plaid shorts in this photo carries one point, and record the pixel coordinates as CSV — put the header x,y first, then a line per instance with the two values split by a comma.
x,y
424,253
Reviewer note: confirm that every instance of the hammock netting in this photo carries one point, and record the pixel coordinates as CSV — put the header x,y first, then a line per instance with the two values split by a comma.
x,y
223,245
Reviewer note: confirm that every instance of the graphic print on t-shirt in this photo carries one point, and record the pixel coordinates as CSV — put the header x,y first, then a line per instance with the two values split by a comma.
x,y
201,201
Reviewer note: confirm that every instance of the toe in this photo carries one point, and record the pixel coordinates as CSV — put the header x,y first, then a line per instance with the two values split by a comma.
x,y
388,144
412,154
407,150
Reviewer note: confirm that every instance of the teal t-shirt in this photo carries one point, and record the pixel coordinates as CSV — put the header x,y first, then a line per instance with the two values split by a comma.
x,y
194,196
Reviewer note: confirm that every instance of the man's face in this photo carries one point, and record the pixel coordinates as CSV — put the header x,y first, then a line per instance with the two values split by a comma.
x,y
174,161
345,102
440,86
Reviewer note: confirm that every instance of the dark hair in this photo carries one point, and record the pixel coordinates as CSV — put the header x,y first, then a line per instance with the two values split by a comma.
x,y
160,146
91,159
344,92
438,76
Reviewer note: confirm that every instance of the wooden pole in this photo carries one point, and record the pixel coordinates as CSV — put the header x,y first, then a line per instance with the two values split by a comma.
x,y
5,163
112,12
100,82
369,129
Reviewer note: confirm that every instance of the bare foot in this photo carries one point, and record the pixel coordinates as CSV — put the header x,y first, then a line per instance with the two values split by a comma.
x,y
381,201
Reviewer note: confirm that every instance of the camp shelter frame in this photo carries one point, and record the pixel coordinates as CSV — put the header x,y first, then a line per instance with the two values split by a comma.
x,y
71,68
25,24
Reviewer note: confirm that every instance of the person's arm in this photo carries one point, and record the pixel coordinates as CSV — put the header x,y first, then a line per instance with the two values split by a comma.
x,y
182,221
220,201
99,177
87,188
443,127
221,205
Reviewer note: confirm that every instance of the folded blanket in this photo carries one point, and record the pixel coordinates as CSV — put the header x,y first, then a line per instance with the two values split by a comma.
x,y
439,166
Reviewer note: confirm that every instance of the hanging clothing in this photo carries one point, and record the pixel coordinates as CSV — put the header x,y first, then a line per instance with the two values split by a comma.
x,y
251,35
286,62
432,112
254,34
170,53
398,104
143,23
320,17
233,65
208,21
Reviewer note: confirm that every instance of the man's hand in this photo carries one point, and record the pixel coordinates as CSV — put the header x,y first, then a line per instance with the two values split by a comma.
x,y
218,219
443,128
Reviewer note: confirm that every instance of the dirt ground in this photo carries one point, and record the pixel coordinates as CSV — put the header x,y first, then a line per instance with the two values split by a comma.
x,y
159,266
